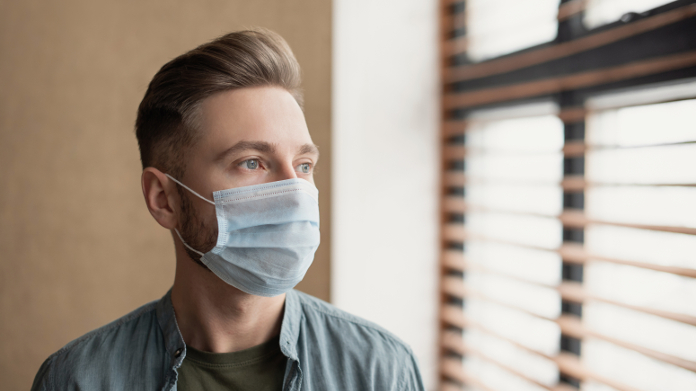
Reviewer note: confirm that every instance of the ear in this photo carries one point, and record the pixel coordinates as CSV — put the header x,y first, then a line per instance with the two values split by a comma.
x,y
161,197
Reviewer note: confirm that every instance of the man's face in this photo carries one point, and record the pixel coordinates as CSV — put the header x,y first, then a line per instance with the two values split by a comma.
x,y
247,137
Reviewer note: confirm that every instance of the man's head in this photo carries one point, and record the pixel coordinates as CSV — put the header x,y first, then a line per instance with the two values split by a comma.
x,y
227,114
168,121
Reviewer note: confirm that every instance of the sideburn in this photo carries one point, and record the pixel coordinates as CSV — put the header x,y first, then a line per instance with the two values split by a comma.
x,y
194,230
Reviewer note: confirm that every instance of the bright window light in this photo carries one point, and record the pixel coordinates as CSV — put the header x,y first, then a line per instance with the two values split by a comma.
x,y
532,134
649,165
530,331
640,328
600,12
508,354
496,378
594,386
638,125
543,199
633,369
641,287
542,267
665,205
542,232
538,300
543,168
652,247
497,27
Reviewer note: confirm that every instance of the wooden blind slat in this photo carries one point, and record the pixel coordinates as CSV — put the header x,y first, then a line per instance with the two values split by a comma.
x,y
570,291
568,183
577,219
570,149
573,183
454,204
450,386
453,259
459,127
571,8
475,352
454,179
569,218
456,45
570,115
453,152
453,315
454,127
573,253
453,369
575,81
571,365
574,148
572,327
539,56
454,232
567,363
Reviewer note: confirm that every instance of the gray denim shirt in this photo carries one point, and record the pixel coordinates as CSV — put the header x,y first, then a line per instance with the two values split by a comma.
x,y
327,349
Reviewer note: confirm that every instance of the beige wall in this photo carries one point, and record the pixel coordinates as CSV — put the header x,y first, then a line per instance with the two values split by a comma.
x,y
77,245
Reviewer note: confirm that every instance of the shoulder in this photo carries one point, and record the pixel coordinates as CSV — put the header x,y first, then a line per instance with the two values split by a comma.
x,y
325,314
98,350
362,347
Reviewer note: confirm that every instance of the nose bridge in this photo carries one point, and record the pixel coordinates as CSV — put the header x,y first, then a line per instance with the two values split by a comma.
x,y
286,170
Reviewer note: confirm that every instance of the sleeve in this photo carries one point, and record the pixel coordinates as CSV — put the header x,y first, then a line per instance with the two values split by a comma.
x,y
42,380
410,379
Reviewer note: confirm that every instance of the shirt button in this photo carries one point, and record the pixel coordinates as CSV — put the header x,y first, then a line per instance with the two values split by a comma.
x,y
177,353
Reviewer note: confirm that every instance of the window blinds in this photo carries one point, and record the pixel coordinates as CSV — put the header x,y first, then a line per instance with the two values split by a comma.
x,y
568,220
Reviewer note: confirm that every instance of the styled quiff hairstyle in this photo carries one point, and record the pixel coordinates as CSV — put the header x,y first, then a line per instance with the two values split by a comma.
x,y
168,116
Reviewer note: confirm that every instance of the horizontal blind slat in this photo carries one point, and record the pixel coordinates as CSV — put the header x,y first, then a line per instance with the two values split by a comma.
x,y
569,218
574,81
453,152
572,253
570,291
569,183
567,363
568,9
458,343
452,368
570,325
539,56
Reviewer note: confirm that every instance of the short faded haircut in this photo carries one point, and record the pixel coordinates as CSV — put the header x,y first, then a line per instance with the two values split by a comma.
x,y
168,122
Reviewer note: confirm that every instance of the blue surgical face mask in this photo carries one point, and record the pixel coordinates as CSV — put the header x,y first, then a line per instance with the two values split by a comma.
x,y
267,235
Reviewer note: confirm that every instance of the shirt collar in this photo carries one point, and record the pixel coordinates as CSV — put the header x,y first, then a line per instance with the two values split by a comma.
x,y
290,328
174,342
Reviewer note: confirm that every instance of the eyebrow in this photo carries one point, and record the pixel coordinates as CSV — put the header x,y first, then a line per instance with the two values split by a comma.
x,y
309,149
263,147
260,146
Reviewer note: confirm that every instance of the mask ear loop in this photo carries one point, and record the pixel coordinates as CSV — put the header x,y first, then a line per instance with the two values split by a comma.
x,y
189,189
187,246
197,195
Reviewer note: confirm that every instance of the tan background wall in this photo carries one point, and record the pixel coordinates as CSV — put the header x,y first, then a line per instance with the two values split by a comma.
x,y
77,245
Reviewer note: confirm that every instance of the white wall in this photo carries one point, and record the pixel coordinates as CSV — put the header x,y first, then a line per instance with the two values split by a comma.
x,y
385,177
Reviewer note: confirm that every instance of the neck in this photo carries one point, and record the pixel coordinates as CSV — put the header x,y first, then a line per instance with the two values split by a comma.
x,y
216,317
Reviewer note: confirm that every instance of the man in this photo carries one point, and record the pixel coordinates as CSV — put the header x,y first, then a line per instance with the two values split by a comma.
x,y
227,168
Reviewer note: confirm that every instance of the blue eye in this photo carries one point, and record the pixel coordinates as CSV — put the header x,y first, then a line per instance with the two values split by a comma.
x,y
251,164
305,168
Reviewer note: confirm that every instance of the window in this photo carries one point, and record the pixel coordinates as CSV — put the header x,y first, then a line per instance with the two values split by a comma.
x,y
600,12
497,27
568,213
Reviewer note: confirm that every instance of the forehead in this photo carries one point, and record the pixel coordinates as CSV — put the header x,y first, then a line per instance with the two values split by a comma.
x,y
268,114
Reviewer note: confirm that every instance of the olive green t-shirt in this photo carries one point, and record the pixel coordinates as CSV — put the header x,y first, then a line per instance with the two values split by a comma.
x,y
259,368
